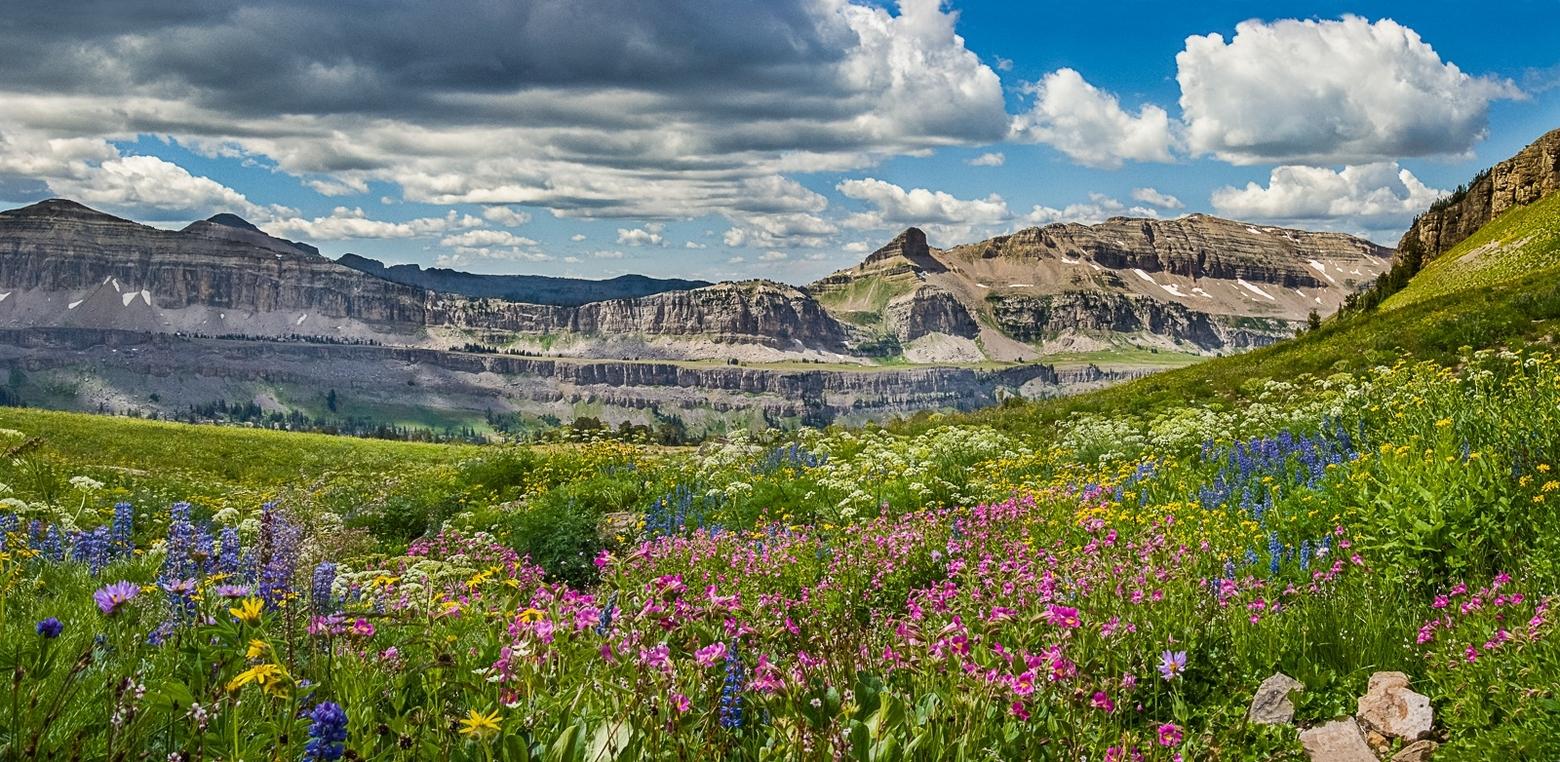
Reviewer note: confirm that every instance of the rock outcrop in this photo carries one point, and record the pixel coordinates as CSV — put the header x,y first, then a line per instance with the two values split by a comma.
x,y
1520,180
1201,283
531,289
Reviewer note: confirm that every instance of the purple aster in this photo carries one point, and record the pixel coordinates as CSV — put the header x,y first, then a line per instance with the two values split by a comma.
x,y
50,628
1172,663
232,592
111,597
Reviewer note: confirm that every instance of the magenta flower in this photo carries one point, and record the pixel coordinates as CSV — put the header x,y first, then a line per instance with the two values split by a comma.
x,y
1020,712
1062,616
1172,663
1102,702
1169,734
710,654
111,598
680,702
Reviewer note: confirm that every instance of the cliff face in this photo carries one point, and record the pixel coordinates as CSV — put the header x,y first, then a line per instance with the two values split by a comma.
x,y
119,370
1523,179
754,312
60,247
1198,283
531,289
1042,319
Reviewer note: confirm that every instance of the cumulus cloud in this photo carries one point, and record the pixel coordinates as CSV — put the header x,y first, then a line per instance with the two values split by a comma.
x,y
506,216
1328,92
607,254
1098,208
345,223
345,186
773,256
481,238
992,159
1371,196
1090,126
148,184
894,206
649,235
1155,198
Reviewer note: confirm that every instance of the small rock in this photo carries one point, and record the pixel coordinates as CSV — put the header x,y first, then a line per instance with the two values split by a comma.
x,y
1377,742
1272,705
1418,751
1337,741
1390,708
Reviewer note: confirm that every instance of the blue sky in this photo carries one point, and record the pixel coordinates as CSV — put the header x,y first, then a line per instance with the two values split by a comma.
x,y
770,138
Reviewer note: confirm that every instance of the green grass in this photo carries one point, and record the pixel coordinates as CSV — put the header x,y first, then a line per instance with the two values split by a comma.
x,y
1135,356
240,456
1511,246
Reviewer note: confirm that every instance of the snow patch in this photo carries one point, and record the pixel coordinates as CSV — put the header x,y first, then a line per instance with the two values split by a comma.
x,y
1096,266
146,296
126,299
1251,229
982,285
115,281
75,304
1255,290
4,295
1144,275
301,318
1321,268
1067,261
1021,285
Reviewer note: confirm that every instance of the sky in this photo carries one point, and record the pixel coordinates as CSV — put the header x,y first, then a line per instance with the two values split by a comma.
x,y
779,139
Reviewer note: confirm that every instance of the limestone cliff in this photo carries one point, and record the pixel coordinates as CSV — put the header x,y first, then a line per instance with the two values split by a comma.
x,y
1520,180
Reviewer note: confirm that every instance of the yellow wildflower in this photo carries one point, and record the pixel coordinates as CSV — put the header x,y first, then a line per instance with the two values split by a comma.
x,y
257,649
479,724
270,678
532,615
248,610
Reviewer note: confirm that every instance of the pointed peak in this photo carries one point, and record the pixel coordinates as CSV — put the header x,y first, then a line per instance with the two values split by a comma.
x,y
911,244
62,208
232,221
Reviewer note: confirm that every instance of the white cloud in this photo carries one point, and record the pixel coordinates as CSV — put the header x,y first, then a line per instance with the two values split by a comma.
x,y
1155,198
1099,208
649,235
992,159
1371,196
345,223
607,254
478,238
858,247
894,206
343,186
1090,126
773,256
151,183
736,260
780,230
1004,64
577,237
1328,92
506,216
694,245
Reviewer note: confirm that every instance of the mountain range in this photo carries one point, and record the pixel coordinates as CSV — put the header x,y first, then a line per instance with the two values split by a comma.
x,y
222,310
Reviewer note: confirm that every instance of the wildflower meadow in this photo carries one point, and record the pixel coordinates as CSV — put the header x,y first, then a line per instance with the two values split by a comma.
x,y
1112,587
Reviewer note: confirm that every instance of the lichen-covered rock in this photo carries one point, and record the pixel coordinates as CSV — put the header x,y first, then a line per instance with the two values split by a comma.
x,y
1337,741
1390,708
1272,704
1418,751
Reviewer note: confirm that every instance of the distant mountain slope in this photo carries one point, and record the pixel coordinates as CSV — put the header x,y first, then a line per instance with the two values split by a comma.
x,y
1197,284
532,289
1498,285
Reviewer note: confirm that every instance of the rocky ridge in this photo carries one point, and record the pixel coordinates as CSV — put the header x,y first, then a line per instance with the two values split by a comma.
x,y
1534,172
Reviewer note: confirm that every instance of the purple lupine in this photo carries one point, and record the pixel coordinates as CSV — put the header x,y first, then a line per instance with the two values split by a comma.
x,y
320,589
227,551
179,562
121,539
110,598
278,554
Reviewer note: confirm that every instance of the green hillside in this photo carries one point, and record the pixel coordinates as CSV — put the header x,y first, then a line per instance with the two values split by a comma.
x,y
1522,241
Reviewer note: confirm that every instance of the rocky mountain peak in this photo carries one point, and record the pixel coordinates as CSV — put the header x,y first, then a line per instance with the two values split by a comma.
x,y
231,227
911,244
1520,180
232,221
62,209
